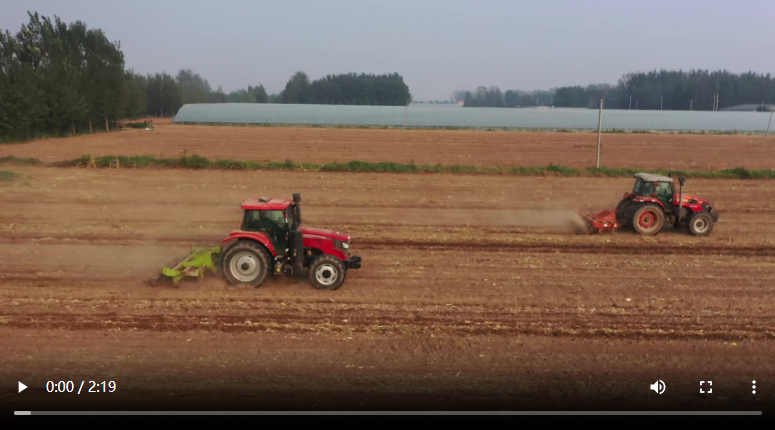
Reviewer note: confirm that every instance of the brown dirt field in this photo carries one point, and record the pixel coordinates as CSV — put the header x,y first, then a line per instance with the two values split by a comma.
x,y
472,296
322,145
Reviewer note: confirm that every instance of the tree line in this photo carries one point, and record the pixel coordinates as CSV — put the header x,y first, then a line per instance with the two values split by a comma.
x,y
494,97
347,89
664,89
58,78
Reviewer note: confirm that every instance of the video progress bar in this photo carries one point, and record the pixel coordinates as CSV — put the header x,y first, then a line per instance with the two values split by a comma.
x,y
388,413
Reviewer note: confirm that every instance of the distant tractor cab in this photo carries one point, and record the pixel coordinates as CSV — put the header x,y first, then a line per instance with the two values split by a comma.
x,y
653,203
272,239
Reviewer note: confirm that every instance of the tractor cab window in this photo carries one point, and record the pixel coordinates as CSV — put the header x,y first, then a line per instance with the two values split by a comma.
x,y
270,222
264,221
252,221
665,189
643,188
274,220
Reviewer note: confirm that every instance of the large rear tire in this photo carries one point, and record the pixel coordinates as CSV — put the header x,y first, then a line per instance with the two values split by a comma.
x,y
648,219
246,263
621,212
700,224
327,272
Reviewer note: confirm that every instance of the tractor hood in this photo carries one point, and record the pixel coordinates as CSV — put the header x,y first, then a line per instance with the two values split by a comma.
x,y
323,233
688,197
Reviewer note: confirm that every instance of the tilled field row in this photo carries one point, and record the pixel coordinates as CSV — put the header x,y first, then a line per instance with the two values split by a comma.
x,y
475,245
716,324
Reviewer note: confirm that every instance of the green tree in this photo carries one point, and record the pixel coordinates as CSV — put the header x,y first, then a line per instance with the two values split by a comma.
x,y
23,105
164,96
193,88
217,96
296,90
511,98
136,95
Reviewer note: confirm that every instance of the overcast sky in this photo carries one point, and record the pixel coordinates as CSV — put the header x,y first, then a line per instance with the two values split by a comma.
x,y
438,46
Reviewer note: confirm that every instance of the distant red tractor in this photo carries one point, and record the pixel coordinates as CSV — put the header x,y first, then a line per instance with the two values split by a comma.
x,y
272,238
653,203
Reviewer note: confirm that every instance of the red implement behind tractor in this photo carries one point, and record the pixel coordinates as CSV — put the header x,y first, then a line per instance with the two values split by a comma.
x,y
653,203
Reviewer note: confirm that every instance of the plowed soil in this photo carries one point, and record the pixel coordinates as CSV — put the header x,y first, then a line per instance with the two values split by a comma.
x,y
322,145
473,295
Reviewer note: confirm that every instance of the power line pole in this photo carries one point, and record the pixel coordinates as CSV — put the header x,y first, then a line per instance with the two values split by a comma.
x,y
691,102
599,133
630,108
661,99
406,110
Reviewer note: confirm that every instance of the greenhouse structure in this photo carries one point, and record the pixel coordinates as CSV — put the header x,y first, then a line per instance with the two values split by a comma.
x,y
427,116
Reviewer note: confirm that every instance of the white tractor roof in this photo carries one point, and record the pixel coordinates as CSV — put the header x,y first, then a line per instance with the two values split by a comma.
x,y
649,177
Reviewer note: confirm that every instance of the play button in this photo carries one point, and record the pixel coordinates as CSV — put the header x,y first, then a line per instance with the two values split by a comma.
x,y
22,387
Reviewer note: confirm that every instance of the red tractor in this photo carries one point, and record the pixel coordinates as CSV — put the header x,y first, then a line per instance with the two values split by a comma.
x,y
272,238
652,203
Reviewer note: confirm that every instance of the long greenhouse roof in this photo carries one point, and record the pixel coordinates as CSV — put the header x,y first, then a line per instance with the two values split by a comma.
x,y
453,116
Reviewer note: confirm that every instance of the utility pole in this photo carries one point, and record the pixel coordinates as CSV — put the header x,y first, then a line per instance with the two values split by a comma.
x,y
599,132
630,107
406,110
766,133
661,99
691,102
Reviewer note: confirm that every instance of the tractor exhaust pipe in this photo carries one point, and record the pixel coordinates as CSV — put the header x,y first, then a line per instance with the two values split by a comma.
x,y
297,200
296,236
681,181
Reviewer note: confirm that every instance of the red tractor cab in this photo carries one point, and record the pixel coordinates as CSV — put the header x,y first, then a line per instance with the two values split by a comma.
x,y
654,202
272,239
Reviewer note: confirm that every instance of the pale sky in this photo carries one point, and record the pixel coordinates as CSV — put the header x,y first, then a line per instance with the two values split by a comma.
x,y
437,45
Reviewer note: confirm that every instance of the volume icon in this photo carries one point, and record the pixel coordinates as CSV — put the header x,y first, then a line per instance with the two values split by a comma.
x,y
658,387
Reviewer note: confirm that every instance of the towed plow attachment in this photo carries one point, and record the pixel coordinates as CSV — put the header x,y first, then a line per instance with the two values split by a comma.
x,y
193,265
600,222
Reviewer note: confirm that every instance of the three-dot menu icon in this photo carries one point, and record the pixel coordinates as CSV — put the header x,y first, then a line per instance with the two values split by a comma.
x,y
753,387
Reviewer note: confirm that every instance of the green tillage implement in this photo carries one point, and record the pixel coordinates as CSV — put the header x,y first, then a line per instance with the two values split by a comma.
x,y
195,264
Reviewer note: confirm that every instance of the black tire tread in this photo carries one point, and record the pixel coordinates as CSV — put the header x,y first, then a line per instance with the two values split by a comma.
x,y
327,259
638,208
256,248
693,216
621,212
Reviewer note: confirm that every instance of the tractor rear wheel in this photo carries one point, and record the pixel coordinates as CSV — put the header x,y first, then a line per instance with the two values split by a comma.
x,y
621,212
700,224
327,272
246,263
648,219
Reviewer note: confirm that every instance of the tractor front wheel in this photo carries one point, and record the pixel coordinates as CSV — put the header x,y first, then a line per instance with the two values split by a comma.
x,y
246,263
700,224
327,272
648,219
